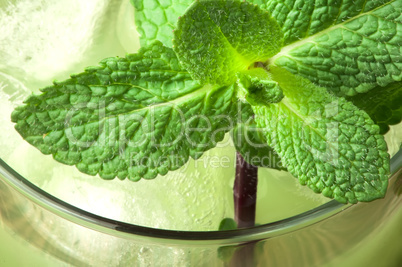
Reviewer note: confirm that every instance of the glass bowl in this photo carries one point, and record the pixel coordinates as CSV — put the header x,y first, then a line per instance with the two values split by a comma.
x,y
85,221
365,234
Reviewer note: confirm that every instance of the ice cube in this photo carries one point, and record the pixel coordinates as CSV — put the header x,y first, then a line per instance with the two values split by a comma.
x,y
37,36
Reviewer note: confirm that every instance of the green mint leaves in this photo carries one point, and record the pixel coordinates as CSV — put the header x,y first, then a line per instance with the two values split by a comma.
x,y
250,141
287,67
133,117
349,47
258,88
383,104
216,39
328,143
156,19
352,51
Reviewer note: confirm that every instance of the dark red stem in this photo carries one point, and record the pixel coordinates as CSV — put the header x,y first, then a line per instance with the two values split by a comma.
x,y
245,192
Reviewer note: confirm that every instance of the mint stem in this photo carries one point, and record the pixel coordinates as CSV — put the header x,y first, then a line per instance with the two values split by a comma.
x,y
245,199
244,256
245,192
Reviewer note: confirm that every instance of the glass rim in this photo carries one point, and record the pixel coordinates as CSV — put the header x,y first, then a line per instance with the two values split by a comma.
x,y
118,228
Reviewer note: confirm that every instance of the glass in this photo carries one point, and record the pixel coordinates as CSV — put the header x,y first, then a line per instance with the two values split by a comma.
x,y
84,221
329,235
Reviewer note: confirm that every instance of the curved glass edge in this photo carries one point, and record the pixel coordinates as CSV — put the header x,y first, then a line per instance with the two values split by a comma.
x,y
126,230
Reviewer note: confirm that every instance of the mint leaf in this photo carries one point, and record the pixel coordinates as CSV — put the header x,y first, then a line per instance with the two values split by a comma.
x,y
216,39
133,117
326,142
300,19
225,253
155,20
227,224
250,141
383,104
261,3
348,47
257,87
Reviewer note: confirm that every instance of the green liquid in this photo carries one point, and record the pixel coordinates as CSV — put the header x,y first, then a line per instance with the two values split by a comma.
x,y
199,194
195,198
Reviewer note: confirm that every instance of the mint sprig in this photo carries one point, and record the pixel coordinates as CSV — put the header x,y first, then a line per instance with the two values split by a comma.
x,y
328,143
216,39
133,117
354,49
349,47
148,113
